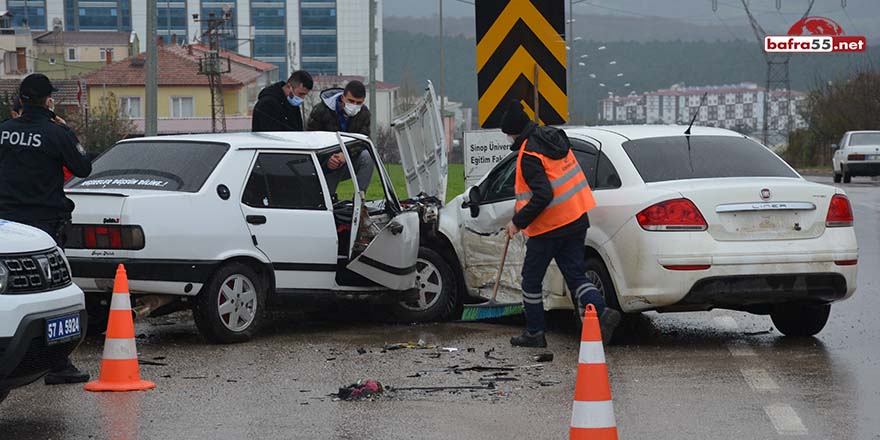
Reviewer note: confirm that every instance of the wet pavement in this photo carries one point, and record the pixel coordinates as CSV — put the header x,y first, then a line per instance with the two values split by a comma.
x,y
714,375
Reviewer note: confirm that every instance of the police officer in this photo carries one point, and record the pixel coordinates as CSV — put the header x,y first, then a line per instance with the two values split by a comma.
x,y
34,148
552,200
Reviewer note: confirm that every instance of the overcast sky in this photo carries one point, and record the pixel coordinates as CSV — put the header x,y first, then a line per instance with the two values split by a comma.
x,y
860,17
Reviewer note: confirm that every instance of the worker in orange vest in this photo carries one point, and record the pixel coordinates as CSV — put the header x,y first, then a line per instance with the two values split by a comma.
x,y
552,201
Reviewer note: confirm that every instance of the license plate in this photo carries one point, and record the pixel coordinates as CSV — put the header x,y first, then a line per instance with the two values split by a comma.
x,y
873,157
62,329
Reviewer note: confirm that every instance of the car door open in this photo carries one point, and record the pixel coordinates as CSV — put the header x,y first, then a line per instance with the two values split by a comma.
x,y
384,241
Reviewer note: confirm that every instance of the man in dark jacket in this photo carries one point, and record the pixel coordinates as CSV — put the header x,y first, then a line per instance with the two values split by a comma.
x,y
279,106
34,149
552,201
344,110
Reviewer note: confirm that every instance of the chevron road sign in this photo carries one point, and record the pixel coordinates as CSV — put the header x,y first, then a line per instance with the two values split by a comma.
x,y
521,43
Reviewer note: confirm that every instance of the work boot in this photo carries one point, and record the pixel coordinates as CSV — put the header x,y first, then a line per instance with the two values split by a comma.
x,y
527,339
66,374
608,323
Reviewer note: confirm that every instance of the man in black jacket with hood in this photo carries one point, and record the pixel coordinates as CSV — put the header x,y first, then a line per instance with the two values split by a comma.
x,y
553,197
279,106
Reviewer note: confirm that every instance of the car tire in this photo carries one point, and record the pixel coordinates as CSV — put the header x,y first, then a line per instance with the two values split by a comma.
x,y
598,274
837,178
438,293
799,320
847,178
238,290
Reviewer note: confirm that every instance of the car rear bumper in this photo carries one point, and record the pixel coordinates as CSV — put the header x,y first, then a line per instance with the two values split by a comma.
x,y
172,277
25,356
863,168
692,271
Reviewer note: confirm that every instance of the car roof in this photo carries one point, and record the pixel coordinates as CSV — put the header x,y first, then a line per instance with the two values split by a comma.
x,y
632,132
863,131
282,140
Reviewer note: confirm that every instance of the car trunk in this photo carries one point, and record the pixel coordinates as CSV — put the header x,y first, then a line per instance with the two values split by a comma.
x,y
870,152
750,209
98,207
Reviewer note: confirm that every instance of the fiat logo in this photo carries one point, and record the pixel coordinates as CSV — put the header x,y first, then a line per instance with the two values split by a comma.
x,y
765,194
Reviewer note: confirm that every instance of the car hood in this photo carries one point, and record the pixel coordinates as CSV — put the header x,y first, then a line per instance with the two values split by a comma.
x,y
17,238
421,140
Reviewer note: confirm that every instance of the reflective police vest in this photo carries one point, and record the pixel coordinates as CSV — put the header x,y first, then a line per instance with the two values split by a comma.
x,y
572,196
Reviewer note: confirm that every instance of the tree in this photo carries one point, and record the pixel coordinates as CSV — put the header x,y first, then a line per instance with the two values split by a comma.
x,y
100,127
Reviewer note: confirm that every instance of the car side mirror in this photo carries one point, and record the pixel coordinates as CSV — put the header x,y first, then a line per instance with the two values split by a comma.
x,y
474,199
835,147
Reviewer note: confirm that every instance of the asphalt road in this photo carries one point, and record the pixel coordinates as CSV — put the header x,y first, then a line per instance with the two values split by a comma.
x,y
715,375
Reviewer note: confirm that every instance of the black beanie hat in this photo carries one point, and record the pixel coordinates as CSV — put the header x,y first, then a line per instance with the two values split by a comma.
x,y
515,119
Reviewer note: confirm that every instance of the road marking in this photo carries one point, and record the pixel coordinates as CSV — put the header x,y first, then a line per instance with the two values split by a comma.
x,y
727,322
740,349
759,379
785,419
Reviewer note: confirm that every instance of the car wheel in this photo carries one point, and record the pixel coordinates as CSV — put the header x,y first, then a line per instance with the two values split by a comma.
x,y
438,296
846,176
230,306
798,320
598,274
837,178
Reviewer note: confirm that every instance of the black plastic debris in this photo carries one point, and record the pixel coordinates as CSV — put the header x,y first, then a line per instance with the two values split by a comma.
x,y
362,351
360,390
543,357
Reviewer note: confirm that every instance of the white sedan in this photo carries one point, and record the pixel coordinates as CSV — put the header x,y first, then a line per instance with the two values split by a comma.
x,y
683,223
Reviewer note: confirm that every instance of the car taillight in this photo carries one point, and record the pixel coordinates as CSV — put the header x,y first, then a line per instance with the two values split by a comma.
x,y
672,215
856,157
67,174
839,212
105,237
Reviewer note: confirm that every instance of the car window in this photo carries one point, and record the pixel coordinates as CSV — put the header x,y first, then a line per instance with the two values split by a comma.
x,y
857,139
499,185
165,166
284,181
674,158
585,153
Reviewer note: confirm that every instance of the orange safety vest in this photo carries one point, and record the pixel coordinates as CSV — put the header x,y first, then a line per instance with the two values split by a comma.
x,y
572,196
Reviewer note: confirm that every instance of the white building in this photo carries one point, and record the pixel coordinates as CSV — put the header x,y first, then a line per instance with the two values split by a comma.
x,y
325,37
727,106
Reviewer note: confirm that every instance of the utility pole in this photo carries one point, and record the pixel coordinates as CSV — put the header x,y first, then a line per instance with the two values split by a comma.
x,y
373,63
777,76
442,67
214,66
151,101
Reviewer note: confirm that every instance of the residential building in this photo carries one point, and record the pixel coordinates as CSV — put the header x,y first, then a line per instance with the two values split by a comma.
x,y
68,99
386,96
737,106
184,95
325,37
64,54
17,60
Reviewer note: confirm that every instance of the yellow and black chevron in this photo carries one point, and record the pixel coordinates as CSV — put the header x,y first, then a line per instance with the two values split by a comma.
x,y
512,37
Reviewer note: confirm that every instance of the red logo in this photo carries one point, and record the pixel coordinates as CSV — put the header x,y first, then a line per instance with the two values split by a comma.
x,y
819,26
765,194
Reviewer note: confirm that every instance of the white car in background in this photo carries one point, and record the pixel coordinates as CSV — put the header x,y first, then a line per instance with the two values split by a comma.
x,y
42,313
858,154
682,223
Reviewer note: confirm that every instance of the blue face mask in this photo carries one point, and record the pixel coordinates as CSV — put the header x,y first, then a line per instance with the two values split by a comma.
x,y
295,101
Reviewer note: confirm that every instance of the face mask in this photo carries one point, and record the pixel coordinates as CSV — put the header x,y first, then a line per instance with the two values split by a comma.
x,y
50,104
352,109
295,101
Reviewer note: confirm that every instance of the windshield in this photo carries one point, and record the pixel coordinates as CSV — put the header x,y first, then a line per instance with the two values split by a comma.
x,y
672,158
864,139
164,166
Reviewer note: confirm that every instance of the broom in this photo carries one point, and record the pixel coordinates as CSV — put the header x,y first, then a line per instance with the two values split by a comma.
x,y
492,309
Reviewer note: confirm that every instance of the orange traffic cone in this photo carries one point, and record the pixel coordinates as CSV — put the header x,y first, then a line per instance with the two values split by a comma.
x,y
592,414
119,365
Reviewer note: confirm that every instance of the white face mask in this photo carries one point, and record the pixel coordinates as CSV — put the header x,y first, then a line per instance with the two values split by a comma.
x,y
352,109
50,104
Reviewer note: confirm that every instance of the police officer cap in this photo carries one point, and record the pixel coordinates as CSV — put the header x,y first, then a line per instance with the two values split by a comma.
x,y
36,85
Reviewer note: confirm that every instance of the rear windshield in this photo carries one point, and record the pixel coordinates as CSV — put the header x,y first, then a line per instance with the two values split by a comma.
x,y
671,158
164,166
864,139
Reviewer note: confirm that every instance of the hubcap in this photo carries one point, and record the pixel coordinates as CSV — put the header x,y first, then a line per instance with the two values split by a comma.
x,y
237,303
597,281
430,284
